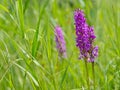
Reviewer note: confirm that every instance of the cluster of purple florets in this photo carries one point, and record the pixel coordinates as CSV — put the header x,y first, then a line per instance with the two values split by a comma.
x,y
60,42
85,37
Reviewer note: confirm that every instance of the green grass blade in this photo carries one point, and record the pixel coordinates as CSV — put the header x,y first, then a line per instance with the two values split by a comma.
x,y
20,16
23,69
35,40
4,8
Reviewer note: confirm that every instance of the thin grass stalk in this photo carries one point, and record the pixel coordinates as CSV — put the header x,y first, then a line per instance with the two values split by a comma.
x,y
93,72
87,75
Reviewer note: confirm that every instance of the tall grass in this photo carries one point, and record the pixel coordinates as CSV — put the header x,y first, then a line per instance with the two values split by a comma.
x,y
28,56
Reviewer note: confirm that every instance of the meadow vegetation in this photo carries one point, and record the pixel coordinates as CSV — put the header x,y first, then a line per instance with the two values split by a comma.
x,y
28,56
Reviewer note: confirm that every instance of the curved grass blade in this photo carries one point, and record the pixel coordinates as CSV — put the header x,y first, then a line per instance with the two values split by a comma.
x,y
23,69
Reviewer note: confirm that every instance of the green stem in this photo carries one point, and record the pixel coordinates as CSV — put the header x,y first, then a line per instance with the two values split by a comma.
x,y
93,72
87,75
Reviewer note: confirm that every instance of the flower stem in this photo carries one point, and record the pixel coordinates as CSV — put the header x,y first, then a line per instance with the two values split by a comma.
x,y
93,72
87,75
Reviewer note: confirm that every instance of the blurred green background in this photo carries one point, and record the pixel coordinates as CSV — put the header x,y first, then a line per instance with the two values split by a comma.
x,y
28,56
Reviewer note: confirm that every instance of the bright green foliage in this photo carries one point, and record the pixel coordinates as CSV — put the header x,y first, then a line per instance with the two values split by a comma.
x,y
28,56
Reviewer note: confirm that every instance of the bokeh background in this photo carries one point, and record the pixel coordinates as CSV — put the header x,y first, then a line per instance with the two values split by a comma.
x,y
28,56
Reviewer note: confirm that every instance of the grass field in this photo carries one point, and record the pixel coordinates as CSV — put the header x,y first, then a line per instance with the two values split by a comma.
x,y
28,56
